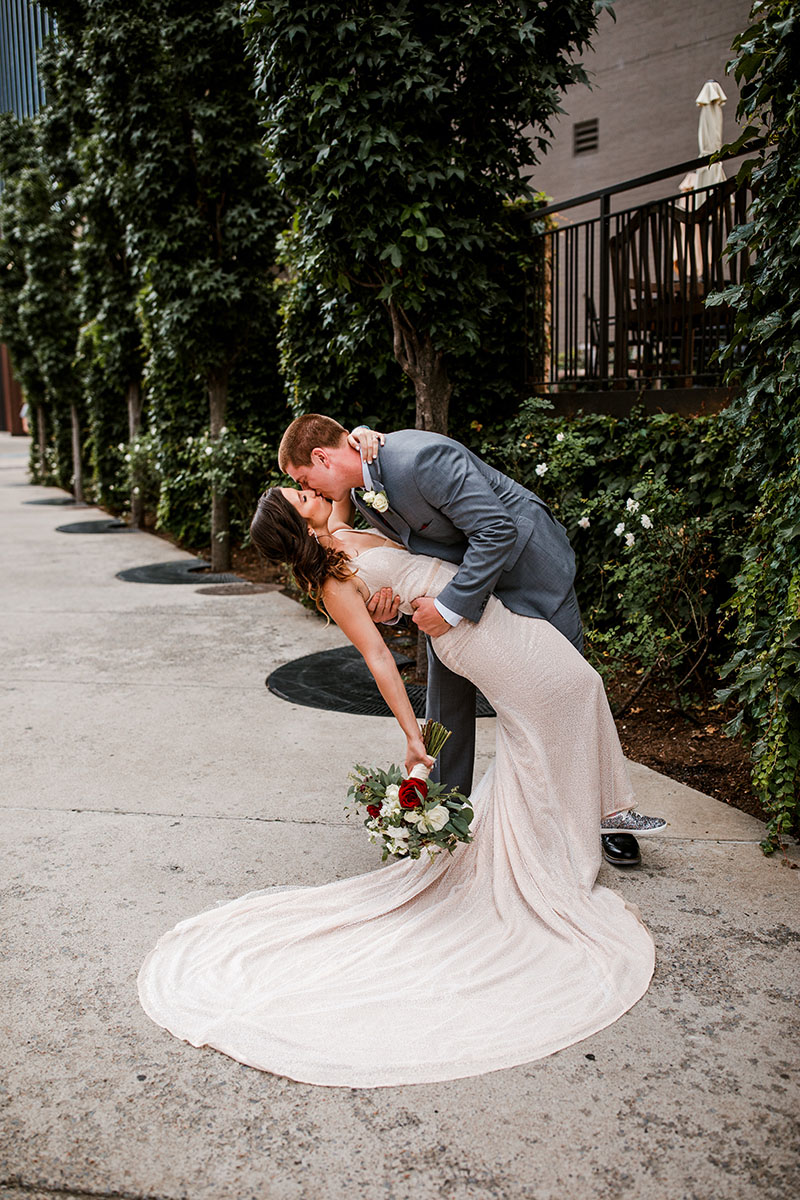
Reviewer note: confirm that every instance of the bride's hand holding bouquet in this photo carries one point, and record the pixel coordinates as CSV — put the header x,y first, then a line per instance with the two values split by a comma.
x,y
418,756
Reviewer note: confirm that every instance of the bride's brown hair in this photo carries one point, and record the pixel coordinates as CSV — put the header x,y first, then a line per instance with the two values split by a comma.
x,y
282,536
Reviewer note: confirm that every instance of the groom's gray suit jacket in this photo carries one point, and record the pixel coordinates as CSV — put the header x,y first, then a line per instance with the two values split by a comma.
x,y
446,502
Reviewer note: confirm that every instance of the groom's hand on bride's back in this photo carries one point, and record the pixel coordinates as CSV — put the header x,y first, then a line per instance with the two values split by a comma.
x,y
384,606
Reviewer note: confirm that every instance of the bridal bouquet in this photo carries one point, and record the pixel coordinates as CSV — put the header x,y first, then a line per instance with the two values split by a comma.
x,y
407,816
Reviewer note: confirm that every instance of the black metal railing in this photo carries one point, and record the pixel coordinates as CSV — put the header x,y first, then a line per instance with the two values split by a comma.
x,y
624,291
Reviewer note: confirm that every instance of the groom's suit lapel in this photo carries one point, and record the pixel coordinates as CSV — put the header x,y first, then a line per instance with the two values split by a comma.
x,y
389,522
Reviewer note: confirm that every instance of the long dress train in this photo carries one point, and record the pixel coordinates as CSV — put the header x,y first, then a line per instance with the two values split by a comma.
x,y
431,970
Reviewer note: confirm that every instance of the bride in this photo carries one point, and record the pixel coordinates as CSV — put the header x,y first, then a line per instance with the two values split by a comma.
x,y
428,970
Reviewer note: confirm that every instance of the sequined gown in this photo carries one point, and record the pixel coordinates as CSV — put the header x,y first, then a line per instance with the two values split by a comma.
x,y
424,970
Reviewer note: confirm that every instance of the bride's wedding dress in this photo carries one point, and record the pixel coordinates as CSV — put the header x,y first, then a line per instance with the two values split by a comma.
x,y
430,970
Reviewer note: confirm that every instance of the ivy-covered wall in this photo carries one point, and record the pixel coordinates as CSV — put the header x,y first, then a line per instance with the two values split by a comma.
x,y
762,675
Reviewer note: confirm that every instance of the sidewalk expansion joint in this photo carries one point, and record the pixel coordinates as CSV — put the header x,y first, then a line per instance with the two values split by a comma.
x,y
175,816
14,1187
181,816
707,837
133,683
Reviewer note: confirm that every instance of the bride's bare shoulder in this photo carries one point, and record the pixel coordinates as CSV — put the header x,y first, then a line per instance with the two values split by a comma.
x,y
341,590
345,536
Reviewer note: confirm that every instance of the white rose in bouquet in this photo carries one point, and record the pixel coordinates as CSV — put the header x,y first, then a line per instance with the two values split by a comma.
x,y
399,842
433,820
391,802
380,503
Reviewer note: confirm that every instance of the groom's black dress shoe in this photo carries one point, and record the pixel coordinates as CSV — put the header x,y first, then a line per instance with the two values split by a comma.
x,y
621,849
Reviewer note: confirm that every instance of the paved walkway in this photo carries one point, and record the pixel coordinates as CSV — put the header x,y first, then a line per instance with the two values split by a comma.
x,y
148,774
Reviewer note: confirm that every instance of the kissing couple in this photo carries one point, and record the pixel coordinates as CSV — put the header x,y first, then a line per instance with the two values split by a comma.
x,y
508,949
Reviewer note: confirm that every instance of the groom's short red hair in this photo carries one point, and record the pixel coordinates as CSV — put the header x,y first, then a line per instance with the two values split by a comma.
x,y
304,434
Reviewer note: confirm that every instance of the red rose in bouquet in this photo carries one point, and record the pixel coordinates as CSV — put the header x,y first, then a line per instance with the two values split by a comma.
x,y
412,792
374,810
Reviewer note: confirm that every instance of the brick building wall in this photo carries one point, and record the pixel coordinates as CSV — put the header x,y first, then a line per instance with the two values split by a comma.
x,y
646,70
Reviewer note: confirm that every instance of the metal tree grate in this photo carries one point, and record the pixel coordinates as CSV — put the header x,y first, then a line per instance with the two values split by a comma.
x,y
62,501
108,526
185,570
339,681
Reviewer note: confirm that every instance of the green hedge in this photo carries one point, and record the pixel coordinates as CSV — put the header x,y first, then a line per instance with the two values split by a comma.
x,y
654,529
763,674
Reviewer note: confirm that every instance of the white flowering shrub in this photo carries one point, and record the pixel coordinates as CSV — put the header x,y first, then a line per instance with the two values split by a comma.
x,y
652,524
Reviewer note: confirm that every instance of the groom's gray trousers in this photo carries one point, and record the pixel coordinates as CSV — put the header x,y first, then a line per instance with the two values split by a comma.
x,y
451,700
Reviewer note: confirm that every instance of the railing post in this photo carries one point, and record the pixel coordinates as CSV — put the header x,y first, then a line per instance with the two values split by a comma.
x,y
603,307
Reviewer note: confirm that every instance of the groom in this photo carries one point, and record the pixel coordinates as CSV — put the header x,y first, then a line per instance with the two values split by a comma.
x,y
434,496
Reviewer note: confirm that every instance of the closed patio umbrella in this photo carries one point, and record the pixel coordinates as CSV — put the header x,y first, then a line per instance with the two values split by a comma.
x,y
709,132
709,140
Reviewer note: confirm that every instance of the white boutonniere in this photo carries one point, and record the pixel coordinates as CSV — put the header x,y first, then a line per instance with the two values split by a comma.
x,y
376,500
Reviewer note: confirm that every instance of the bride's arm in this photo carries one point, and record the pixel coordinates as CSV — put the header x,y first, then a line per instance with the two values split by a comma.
x,y
346,605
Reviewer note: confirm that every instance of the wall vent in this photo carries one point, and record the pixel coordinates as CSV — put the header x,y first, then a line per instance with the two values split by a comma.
x,y
585,136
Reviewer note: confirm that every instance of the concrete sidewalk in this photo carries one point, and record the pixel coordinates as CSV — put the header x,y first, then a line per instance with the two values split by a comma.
x,y
148,774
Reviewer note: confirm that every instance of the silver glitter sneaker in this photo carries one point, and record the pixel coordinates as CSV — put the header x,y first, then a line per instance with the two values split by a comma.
x,y
632,822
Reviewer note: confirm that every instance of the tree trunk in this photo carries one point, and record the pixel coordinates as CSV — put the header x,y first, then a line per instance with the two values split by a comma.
x,y
220,518
134,397
41,442
425,367
77,468
220,532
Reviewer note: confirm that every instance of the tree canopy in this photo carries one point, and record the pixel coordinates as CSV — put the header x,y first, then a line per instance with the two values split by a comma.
x,y
173,98
38,297
401,131
19,167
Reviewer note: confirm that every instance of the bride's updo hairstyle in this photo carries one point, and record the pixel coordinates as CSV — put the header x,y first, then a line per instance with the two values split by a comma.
x,y
282,536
